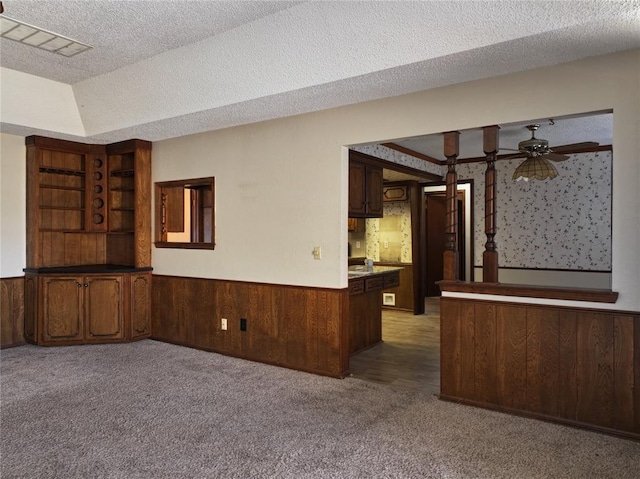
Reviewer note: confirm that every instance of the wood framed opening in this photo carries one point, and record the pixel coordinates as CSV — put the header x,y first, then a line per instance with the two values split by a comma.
x,y
185,213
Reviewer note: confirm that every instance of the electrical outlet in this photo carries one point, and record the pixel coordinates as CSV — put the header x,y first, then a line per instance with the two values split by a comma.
x,y
243,324
223,324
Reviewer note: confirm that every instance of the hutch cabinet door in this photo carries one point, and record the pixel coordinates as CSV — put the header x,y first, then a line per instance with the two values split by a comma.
x,y
62,308
140,305
104,307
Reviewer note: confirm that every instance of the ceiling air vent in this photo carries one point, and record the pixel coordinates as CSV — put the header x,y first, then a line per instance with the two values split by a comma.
x,y
37,37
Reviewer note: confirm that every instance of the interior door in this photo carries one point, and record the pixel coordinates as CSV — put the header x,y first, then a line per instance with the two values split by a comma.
x,y
436,213
436,210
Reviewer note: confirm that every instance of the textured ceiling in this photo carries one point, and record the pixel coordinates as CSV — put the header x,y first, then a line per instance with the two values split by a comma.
x,y
560,131
191,66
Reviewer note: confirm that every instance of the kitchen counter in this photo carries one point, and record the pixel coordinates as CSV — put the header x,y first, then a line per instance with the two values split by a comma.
x,y
365,279
358,271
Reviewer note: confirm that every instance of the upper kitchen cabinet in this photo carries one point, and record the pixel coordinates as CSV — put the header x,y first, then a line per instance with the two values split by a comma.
x,y
365,187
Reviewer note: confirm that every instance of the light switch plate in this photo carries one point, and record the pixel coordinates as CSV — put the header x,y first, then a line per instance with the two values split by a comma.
x,y
317,252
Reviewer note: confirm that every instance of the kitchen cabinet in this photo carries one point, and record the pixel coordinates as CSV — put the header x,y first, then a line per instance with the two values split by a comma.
x,y
365,305
88,241
365,190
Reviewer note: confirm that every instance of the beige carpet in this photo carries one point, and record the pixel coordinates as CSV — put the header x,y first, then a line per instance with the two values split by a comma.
x,y
154,410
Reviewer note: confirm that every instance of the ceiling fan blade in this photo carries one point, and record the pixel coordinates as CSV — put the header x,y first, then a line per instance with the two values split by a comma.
x,y
575,146
508,149
511,157
555,156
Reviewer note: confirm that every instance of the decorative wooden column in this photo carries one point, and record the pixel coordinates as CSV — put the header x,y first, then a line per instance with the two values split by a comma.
x,y
490,255
450,257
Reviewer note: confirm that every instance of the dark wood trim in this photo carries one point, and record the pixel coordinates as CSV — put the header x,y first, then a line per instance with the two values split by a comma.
x,y
166,244
530,291
552,306
61,145
515,268
127,146
481,159
389,165
415,154
416,202
542,417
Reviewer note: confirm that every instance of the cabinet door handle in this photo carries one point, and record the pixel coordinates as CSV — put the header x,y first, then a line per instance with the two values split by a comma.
x,y
78,285
86,285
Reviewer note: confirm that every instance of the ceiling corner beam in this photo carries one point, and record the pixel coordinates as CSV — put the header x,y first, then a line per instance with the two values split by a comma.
x,y
415,154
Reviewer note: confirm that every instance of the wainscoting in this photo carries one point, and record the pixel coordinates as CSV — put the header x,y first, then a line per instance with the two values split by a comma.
x,y
12,312
296,327
570,365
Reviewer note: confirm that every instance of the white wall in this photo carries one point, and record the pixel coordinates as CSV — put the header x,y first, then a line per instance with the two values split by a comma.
x,y
39,103
282,189
281,185
13,205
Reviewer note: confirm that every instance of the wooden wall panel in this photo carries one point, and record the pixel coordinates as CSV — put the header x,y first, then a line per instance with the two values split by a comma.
x,y
622,373
295,327
457,349
485,359
567,366
595,369
573,365
511,356
542,361
11,312
450,348
363,331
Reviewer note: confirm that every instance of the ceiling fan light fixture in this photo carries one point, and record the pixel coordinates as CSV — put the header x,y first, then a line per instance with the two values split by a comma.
x,y
535,168
37,37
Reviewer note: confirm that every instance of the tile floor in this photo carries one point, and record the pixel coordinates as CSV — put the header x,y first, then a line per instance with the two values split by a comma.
x,y
409,355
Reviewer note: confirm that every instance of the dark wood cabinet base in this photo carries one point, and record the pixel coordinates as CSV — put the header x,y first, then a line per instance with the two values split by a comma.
x,y
67,309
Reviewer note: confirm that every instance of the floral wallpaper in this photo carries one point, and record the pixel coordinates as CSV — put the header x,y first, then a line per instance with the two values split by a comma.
x,y
389,238
563,223
394,156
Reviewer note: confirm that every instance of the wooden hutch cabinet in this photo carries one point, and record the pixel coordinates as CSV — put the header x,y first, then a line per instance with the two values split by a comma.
x,y
88,274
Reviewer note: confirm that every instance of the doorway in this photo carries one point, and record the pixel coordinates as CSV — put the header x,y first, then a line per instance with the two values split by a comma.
x,y
434,240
